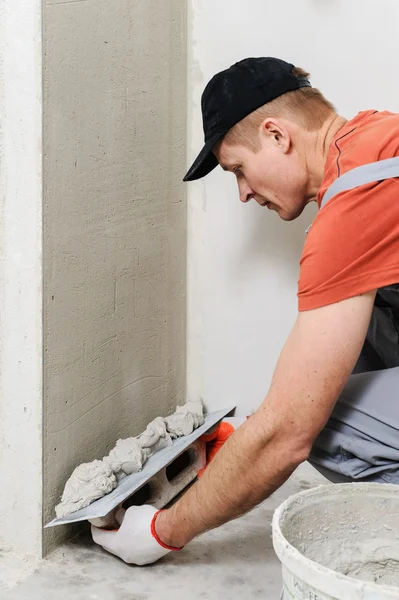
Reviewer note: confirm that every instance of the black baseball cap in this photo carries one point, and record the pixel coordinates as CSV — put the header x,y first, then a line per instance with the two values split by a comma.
x,y
233,94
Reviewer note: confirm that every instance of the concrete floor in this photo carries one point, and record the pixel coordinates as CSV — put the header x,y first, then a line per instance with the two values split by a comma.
x,y
236,561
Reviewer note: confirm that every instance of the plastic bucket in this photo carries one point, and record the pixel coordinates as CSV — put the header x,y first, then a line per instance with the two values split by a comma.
x,y
339,542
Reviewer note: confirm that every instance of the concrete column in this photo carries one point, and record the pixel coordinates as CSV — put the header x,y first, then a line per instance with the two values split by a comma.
x,y
107,139
20,276
114,227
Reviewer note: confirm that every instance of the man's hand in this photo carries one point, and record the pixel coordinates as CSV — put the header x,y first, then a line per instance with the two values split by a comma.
x,y
136,541
313,368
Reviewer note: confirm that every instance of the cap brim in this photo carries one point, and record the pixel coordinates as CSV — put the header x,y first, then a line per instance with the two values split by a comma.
x,y
206,161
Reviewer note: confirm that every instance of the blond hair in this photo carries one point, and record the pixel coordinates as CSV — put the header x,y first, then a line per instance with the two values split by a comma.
x,y
306,106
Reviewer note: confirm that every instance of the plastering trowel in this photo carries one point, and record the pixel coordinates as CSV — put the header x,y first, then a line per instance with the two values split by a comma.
x,y
101,510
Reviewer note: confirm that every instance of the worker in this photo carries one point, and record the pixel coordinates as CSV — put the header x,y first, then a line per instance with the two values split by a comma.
x,y
334,396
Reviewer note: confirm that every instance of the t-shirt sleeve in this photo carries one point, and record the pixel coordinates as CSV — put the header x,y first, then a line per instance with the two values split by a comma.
x,y
352,246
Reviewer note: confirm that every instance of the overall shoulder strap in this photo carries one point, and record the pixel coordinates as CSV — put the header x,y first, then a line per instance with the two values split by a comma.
x,y
377,171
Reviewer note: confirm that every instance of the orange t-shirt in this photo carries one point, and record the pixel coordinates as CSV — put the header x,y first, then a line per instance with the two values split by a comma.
x,y
353,244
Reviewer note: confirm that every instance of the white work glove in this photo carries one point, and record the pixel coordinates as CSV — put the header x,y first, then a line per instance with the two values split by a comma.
x,y
136,541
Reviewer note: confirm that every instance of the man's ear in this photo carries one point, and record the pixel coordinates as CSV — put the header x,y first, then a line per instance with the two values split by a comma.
x,y
276,133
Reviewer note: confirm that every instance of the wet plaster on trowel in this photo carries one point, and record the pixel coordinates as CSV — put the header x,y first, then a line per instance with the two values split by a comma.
x,y
91,481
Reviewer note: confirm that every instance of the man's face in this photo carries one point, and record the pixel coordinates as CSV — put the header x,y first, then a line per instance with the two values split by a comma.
x,y
275,175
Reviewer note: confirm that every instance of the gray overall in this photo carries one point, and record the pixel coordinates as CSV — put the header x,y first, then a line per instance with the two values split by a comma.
x,y
361,439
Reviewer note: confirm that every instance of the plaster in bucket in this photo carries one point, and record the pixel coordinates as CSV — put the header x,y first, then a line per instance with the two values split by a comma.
x,y
339,542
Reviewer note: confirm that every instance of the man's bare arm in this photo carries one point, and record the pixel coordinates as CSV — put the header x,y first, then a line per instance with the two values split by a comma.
x,y
313,368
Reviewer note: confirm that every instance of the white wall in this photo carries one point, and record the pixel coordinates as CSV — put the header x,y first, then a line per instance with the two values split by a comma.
x,y
20,277
243,261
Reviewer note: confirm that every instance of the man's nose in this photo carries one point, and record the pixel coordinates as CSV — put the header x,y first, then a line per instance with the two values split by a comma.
x,y
246,193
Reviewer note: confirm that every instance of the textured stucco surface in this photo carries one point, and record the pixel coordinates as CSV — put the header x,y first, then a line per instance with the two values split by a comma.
x,y
114,227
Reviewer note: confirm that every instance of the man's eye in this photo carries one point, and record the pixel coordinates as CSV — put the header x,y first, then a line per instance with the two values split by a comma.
x,y
236,170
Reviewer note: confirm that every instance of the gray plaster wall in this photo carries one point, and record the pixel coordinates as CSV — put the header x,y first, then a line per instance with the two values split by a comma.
x,y
114,227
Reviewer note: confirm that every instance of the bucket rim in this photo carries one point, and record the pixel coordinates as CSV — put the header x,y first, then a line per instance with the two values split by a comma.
x,y
326,580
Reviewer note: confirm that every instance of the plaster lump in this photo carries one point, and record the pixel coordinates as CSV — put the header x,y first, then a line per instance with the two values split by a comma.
x,y
91,481
88,482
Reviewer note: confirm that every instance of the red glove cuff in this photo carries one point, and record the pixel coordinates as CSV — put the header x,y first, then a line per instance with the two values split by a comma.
x,y
155,535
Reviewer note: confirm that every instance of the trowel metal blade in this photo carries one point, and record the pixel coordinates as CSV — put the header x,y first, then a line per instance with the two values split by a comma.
x,y
132,483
